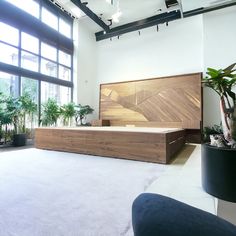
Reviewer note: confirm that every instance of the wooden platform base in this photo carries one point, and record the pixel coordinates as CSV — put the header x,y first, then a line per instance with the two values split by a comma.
x,y
142,144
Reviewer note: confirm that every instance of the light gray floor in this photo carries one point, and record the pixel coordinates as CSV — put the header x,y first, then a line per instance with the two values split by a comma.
x,y
225,210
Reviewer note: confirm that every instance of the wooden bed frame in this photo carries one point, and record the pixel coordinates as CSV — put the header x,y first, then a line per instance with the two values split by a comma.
x,y
142,144
174,102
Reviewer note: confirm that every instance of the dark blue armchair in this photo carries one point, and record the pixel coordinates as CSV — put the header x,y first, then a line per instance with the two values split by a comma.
x,y
157,215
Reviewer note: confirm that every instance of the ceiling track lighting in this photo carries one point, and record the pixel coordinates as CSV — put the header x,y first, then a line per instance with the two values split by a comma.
x,y
110,1
167,23
157,28
171,3
116,17
110,22
63,9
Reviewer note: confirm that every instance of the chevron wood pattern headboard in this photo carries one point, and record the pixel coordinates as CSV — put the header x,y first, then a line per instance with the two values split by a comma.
x,y
174,101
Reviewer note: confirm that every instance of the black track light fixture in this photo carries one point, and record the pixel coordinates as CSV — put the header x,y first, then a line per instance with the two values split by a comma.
x,y
110,22
171,3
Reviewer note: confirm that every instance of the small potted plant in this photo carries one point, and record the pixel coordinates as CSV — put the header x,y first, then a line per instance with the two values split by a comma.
x,y
219,157
81,112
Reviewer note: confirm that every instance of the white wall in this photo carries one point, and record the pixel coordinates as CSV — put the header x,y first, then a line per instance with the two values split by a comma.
x,y
176,49
86,66
219,52
185,46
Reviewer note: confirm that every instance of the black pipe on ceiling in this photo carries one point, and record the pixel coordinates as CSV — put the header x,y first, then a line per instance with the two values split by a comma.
x,y
83,7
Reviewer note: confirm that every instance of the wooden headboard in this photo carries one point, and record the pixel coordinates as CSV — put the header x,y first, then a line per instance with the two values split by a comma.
x,y
174,101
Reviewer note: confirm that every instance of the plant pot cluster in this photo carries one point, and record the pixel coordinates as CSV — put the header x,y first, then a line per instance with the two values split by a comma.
x,y
14,112
68,113
219,157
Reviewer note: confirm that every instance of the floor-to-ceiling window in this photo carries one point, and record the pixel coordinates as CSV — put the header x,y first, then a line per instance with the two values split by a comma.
x,y
36,50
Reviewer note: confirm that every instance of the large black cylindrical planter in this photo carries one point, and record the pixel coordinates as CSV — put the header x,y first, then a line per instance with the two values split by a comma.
x,y
19,140
219,172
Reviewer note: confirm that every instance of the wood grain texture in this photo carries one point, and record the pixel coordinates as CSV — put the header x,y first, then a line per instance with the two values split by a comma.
x,y
163,102
141,146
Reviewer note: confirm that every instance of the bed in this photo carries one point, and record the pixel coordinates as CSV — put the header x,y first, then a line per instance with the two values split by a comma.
x,y
135,143
164,112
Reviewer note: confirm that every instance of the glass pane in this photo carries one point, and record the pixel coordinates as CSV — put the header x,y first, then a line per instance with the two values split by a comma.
x,y
8,54
48,51
64,73
29,61
64,28
8,84
48,68
64,58
30,6
9,34
29,43
30,86
49,18
60,93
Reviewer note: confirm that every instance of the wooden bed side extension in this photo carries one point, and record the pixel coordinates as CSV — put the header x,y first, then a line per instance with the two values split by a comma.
x,y
137,144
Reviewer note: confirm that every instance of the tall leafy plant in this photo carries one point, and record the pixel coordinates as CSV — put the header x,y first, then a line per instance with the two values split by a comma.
x,y
67,112
50,113
28,108
14,113
5,118
222,82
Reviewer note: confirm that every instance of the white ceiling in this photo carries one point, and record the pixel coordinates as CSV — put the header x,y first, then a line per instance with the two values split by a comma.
x,y
132,10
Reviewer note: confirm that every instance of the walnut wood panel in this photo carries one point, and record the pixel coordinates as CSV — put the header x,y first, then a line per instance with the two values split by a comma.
x,y
141,146
162,102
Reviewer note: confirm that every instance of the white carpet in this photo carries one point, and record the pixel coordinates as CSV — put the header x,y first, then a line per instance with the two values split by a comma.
x,y
47,193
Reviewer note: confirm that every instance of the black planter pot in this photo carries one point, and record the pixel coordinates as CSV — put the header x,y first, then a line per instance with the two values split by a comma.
x,y
219,172
19,140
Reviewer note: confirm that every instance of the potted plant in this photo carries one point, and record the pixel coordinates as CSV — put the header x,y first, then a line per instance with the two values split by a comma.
x,y
50,113
219,161
28,111
14,110
81,112
67,112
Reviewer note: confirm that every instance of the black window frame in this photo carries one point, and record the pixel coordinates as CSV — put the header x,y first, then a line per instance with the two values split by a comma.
x,y
25,22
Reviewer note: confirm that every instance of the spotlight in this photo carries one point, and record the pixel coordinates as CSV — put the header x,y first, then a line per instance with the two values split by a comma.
x,y
157,28
139,33
167,23
110,22
171,3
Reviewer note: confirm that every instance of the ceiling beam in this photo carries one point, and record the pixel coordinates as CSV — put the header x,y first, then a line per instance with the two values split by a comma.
x,y
138,25
90,14
207,9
